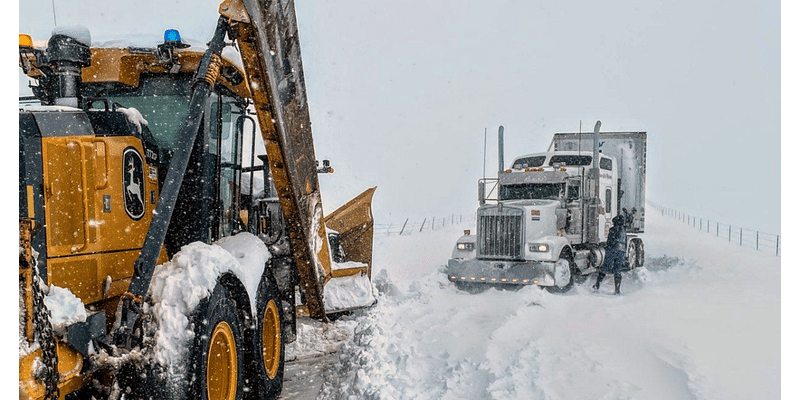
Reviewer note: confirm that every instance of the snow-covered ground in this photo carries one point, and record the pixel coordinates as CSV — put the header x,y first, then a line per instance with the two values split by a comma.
x,y
700,320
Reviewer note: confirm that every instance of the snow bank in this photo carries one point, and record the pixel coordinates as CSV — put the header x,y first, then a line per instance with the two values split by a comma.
x,y
179,285
316,339
700,320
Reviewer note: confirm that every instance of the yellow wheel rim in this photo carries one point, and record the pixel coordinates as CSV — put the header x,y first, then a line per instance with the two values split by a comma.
x,y
221,368
271,340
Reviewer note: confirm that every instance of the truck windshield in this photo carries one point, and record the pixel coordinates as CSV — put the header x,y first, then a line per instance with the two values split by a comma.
x,y
571,160
550,191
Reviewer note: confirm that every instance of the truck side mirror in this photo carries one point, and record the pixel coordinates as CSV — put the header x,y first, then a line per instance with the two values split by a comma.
x,y
481,192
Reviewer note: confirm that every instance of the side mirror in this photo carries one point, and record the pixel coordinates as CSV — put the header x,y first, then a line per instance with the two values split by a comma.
x,y
481,192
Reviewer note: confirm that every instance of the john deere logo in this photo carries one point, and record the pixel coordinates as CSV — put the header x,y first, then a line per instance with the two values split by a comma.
x,y
133,182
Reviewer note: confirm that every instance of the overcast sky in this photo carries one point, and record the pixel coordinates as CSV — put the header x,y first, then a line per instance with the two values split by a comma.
x,y
401,92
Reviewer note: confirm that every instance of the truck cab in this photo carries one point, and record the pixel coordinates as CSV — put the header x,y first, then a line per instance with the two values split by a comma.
x,y
558,176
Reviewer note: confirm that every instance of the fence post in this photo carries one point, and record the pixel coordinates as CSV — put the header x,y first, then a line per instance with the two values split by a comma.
x,y
729,233
423,224
403,228
740,236
756,240
433,223
777,244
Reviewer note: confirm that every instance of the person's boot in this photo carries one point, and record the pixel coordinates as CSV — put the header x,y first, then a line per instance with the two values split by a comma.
x,y
600,277
617,281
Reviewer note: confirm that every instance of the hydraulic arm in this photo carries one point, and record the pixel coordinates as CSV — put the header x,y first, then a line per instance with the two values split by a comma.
x,y
266,33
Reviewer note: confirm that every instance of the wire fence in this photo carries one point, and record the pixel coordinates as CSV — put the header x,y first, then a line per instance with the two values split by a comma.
x,y
409,227
754,239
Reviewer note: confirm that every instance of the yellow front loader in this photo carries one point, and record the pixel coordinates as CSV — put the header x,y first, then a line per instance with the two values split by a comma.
x,y
130,159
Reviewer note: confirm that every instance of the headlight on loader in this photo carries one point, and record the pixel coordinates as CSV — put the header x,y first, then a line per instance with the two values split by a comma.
x,y
538,247
465,246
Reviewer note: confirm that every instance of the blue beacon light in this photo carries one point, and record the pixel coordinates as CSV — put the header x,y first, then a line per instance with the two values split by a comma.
x,y
172,35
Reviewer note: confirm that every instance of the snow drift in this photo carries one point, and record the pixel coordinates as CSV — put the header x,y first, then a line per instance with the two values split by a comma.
x,y
700,320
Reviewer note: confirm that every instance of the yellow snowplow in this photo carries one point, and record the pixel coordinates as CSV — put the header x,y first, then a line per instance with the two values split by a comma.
x,y
141,216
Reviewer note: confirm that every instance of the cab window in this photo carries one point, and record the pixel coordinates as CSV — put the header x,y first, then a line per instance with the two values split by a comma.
x,y
528,162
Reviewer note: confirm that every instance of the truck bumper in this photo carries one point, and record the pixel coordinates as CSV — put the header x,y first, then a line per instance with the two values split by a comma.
x,y
501,272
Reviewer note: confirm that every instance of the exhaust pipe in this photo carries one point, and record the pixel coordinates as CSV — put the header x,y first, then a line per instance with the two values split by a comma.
x,y
500,151
68,51
596,151
593,213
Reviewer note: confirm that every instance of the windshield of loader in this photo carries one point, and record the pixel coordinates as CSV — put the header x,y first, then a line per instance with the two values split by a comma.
x,y
163,100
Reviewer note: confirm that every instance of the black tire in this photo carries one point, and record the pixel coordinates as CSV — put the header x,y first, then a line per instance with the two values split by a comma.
x,y
639,253
267,354
565,256
217,365
629,261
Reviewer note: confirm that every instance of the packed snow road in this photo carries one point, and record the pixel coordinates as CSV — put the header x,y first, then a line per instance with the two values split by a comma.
x,y
700,320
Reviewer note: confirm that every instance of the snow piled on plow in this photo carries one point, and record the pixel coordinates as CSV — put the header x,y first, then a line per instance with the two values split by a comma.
x,y
348,292
700,320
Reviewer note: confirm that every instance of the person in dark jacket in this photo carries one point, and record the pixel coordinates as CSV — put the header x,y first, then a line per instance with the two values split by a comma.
x,y
616,242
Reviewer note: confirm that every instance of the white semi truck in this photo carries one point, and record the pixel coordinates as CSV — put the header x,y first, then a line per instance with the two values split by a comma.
x,y
544,221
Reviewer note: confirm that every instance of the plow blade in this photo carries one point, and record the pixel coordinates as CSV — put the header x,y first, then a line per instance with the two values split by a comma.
x,y
350,285
354,223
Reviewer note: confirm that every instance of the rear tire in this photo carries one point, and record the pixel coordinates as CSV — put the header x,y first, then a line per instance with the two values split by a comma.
x,y
639,253
217,363
629,262
268,344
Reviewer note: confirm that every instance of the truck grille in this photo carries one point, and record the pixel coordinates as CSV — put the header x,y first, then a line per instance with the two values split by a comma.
x,y
500,233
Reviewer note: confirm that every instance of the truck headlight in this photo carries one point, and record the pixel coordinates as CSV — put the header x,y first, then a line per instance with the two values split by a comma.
x,y
465,246
538,247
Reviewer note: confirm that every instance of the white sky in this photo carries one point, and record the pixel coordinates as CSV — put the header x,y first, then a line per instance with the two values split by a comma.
x,y
402,91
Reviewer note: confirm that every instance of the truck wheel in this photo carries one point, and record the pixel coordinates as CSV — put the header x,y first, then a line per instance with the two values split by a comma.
x,y
564,274
218,352
268,345
629,262
639,253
